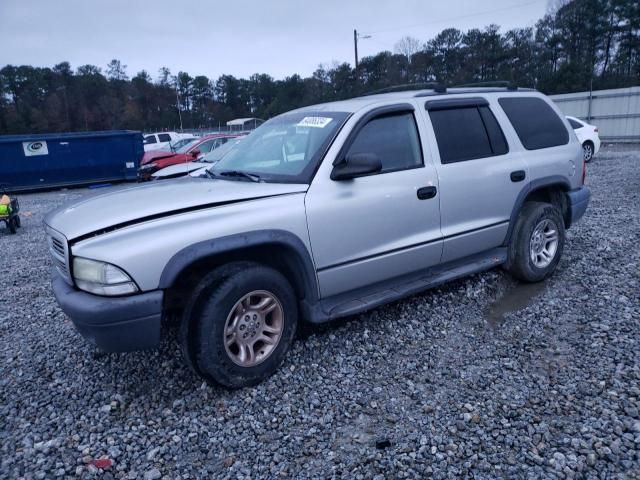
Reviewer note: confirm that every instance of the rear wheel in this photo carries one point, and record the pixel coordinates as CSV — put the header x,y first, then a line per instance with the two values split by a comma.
x,y
18,222
243,326
537,242
11,223
587,151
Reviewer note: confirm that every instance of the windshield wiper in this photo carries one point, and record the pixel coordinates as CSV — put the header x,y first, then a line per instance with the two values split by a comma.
x,y
239,173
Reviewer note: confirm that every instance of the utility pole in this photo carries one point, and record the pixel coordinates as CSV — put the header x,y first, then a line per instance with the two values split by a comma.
x,y
355,47
357,36
178,105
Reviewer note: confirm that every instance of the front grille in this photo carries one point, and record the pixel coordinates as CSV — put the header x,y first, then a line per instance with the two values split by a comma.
x,y
59,252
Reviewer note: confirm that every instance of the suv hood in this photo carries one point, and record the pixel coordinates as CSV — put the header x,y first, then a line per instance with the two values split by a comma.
x,y
127,206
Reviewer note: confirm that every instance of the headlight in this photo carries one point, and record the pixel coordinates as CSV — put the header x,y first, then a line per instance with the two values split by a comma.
x,y
101,278
149,166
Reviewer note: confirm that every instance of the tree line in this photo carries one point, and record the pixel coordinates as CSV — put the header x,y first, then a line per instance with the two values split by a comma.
x,y
578,45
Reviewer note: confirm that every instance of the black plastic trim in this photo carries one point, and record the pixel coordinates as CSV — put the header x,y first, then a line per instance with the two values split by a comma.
x,y
544,182
448,103
265,238
114,324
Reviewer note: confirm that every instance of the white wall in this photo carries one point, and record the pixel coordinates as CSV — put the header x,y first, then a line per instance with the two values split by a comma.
x,y
615,112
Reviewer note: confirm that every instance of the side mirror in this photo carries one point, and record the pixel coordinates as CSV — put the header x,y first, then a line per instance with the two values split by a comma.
x,y
195,153
355,165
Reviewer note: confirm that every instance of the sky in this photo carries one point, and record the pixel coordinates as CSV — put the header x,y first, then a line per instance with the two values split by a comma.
x,y
277,37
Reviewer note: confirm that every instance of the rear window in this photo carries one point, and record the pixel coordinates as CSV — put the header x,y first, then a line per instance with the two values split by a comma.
x,y
536,123
467,133
575,125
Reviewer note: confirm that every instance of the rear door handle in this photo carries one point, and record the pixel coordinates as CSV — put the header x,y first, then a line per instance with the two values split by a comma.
x,y
518,176
426,193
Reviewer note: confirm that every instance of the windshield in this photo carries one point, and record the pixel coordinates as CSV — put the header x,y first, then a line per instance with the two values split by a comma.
x,y
217,153
286,149
184,148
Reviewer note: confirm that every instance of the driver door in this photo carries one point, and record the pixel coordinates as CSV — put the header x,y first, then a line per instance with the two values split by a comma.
x,y
378,226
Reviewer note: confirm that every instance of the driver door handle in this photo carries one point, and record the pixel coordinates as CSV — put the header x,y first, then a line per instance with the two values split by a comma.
x,y
426,193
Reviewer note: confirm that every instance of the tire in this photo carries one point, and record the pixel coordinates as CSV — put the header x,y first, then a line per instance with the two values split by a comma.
x,y
234,341
533,254
18,222
11,223
587,151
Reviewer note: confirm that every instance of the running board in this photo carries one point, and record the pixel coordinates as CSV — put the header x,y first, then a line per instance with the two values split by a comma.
x,y
366,298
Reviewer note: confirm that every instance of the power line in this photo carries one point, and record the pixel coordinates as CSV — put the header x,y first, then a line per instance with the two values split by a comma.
x,y
435,22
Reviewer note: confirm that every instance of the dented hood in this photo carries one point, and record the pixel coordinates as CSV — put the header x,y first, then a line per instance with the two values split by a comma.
x,y
126,206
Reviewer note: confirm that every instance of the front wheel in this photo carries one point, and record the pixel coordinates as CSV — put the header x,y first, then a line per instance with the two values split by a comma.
x,y
537,242
244,326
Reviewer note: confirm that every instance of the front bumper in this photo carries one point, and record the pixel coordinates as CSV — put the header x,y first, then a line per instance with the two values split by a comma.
x,y
113,324
577,202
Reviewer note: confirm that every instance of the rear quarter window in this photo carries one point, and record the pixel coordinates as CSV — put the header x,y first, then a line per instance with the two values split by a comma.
x,y
536,123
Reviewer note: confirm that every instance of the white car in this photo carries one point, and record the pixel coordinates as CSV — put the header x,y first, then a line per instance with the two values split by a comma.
x,y
587,135
199,165
156,141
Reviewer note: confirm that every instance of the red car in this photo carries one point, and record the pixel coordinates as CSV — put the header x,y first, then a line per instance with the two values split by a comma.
x,y
157,159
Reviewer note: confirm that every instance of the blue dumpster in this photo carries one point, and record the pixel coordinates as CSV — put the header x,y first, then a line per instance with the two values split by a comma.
x,y
30,162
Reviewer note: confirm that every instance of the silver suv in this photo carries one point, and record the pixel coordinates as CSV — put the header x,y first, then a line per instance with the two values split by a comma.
x,y
323,212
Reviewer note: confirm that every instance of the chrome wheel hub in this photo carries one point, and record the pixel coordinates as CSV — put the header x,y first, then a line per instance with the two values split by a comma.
x,y
253,328
543,244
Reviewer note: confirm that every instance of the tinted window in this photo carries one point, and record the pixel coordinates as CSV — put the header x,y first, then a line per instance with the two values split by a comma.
x,y
467,133
164,137
393,138
535,122
149,139
575,125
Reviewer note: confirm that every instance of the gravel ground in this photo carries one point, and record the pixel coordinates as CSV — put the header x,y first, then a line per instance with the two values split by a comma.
x,y
446,384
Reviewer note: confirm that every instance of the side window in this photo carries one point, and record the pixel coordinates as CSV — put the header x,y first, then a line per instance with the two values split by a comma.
x,y
205,147
149,139
394,139
164,137
575,125
536,123
467,133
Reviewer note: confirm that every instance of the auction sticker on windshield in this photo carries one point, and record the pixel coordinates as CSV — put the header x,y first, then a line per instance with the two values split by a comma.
x,y
316,122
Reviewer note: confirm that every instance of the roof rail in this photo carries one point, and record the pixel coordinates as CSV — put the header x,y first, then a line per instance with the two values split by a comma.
x,y
496,83
437,87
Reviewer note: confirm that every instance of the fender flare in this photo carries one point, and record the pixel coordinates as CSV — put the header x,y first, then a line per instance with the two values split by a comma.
x,y
300,255
552,180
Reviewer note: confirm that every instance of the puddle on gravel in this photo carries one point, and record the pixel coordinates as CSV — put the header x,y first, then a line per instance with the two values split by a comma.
x,y
514,299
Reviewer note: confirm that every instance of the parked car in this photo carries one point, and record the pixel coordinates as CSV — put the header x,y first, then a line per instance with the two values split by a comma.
x,y
152,162
587,136
320,213
155,141
206,161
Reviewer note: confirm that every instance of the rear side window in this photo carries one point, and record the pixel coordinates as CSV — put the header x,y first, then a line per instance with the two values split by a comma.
x,y
536,123
575,125
467,133
394,139
149,139
164,137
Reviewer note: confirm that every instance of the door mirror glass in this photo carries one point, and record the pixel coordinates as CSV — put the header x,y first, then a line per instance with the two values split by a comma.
x,y
355,165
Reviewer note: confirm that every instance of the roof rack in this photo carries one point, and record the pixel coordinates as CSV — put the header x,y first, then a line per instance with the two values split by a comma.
x,y
497,83
437,87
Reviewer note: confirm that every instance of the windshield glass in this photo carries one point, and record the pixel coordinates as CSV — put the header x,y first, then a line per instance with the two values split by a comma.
x,y
187,146
217,153
286,149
